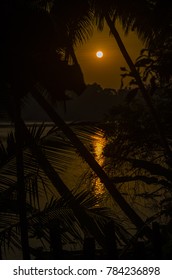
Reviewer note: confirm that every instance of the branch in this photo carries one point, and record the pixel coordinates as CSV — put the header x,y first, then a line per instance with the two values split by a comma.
x,y
153,168
145,179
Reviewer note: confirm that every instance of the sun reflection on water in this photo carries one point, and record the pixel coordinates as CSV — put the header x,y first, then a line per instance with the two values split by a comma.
x,y
98,146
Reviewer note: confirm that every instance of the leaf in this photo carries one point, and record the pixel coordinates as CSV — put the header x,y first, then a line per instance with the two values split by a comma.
x,y
132,82
123,69
143,62
143,51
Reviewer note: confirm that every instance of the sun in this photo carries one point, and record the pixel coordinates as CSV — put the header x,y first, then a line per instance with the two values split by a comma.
x,y
99,54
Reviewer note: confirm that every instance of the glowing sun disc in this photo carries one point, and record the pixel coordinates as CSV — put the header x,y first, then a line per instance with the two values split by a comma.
x,y
99,54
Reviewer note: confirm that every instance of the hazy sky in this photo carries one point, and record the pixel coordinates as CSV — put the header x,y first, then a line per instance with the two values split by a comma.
x,y
106,71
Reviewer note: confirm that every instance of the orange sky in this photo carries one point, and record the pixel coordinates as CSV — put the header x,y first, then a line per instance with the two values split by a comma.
x,y
106,71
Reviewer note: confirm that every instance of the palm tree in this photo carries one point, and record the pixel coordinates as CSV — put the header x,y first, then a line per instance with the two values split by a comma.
x,y
130,213
54,209
131,15
21,83
10,83
85,220
36,62
18,84
106,12
79,15
77,20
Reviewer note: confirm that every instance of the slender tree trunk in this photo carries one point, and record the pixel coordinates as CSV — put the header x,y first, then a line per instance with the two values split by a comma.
x,y
141,86
73,55
21,193
85,154
56,247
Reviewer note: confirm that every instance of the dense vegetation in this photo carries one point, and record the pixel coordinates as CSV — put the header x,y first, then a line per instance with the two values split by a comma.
x,y
38,57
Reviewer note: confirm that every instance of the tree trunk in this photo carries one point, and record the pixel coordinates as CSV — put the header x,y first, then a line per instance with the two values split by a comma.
x,y
21,193
141,86
87,156
56,246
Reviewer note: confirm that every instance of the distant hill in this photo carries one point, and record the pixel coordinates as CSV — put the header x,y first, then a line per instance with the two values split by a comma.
x,y
91,105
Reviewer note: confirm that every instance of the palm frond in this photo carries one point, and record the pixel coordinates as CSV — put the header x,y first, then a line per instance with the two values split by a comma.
x,y
74,18
55,211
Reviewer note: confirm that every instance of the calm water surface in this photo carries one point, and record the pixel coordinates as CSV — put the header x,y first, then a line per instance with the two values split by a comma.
x,y
77,172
